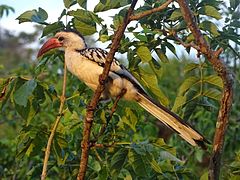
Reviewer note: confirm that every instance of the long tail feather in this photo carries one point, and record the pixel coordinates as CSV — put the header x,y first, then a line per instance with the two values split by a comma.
x,y
173,121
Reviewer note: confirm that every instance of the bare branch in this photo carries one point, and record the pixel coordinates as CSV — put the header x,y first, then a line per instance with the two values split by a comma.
x,y
96,145
149,12
227,78
186,45
93,104
60,113
114,107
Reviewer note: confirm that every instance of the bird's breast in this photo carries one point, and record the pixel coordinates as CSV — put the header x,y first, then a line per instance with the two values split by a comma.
x,y
86,70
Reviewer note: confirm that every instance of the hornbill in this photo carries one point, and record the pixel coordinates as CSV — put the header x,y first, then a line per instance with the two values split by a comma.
x,y
88,63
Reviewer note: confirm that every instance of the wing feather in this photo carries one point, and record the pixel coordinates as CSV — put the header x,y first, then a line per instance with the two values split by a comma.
x,y
99,56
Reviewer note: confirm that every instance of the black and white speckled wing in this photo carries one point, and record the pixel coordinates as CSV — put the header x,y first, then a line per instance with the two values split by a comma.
x,y
99,56
94,54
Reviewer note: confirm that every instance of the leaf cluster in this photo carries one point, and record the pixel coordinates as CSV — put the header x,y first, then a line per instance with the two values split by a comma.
x,y
129,147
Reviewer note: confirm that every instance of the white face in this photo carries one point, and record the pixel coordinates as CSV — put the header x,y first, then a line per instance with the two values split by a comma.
x,y
70,40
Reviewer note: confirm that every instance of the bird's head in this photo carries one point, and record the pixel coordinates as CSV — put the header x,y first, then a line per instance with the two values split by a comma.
x,y
63,39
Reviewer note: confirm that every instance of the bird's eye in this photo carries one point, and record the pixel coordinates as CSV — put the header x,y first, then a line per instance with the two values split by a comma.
x,y
61,38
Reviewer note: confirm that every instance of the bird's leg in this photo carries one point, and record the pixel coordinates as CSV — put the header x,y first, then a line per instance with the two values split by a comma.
x,y
103,128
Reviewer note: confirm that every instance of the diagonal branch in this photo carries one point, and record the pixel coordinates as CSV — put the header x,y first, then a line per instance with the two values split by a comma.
x,y
114,107
93,104
227,78
149,12
60,113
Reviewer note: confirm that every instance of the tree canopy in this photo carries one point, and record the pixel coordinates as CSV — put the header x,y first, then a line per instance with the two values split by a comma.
x,y
130,144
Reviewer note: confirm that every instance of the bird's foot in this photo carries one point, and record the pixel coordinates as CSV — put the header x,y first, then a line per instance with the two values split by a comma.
x,y
102,81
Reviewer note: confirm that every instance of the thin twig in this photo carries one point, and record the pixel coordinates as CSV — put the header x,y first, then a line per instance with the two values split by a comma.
x,y
96,145
93,104
60,114
114,107
227,96
186,45
123,91
149,12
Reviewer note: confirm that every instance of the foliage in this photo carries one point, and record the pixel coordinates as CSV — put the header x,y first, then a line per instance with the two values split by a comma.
x,y
5,9
23,51
131,146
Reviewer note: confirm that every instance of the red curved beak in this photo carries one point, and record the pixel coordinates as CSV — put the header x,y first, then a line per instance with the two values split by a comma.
x,y
50,44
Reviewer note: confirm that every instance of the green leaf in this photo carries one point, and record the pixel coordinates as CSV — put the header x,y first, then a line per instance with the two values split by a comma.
x,y
144,53
7,91
160,143
210,11
24,92
24,149
118,160
82,3
234,3
189,109
85,28
138,162
190,96
235,23
204,176
34,16
168,156
27,112
69,3
234,37
179,102
214,80
53,28
141,37
6,9
39,95
86,16
171,48
58,152
187,84
63,13
130,119
3,86
210,27
190,38
104,38
213,94
161,55
30,149
117,20
109,4
149,80
176,15
154,164
189,67
235,15
103,173
85,21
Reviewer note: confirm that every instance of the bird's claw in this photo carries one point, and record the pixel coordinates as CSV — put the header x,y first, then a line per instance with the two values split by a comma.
x,y
102,81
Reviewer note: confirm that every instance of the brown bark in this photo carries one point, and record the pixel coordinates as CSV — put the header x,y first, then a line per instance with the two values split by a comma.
x,y
227,78
149,12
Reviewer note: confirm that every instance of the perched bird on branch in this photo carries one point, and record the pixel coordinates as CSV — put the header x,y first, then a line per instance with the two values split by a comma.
x,y
88,63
